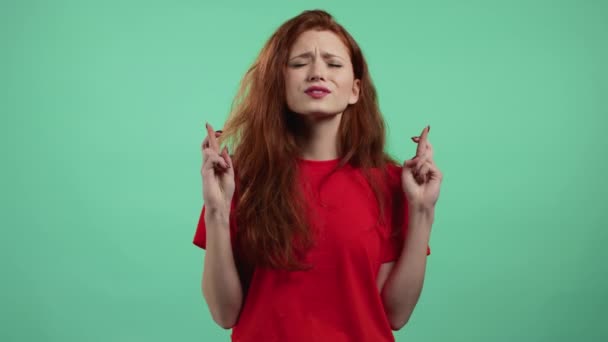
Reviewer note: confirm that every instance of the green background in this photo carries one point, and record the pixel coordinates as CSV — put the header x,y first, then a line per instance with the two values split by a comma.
x,y
103,108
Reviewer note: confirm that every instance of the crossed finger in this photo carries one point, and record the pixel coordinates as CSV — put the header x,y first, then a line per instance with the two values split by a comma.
x,y
212,140
424,150
422,140
206,140
211,150
424,156
427,149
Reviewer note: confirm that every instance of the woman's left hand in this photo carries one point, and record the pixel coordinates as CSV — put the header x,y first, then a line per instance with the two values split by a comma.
x,y
420,177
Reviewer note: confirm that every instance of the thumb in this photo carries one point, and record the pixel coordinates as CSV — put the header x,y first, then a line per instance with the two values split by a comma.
x,y
411,163
226,157
408,171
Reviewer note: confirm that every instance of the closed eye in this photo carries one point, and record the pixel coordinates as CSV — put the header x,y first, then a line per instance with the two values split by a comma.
x,y
333,65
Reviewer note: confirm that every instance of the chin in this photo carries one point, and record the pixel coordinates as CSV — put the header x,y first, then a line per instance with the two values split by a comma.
x,y
318,111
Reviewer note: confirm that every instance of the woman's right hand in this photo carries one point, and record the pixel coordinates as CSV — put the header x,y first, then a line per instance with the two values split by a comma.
x,y
218,175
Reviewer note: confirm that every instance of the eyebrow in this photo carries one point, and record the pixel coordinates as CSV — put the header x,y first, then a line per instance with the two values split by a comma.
x,y
311,55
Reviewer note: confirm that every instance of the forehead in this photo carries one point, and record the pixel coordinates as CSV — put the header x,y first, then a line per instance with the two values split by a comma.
x,y
325,41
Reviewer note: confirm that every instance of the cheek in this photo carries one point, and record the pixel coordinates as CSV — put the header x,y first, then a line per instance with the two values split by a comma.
x,y
291,82
292,91
289,86
345,85
344,80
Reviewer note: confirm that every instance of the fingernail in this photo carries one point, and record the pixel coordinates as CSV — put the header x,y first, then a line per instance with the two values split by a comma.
x,y
429,128
206,125
219,131
414,139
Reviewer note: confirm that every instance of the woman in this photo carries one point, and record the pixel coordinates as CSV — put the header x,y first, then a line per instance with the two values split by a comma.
x,y
312,232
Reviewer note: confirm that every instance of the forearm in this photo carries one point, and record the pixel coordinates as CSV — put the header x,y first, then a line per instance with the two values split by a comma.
x,y
404,284
221,284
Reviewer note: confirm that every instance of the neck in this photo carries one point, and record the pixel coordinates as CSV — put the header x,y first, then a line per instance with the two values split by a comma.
x,y
319,139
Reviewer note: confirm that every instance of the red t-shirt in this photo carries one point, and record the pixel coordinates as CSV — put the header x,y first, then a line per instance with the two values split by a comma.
x,y
338,300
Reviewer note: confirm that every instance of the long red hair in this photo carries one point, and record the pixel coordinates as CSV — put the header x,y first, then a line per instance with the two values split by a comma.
x,y
260,132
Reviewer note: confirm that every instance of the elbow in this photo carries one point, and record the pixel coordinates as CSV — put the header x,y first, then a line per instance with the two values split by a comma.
x,y
225,317
224,314
398,324
225,323
399,313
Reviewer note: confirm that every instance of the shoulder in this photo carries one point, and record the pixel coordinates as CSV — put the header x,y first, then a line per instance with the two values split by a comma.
x,y
389,174
394,169
393,174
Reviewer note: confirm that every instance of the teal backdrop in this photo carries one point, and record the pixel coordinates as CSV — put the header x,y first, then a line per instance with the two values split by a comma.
x,y
103,110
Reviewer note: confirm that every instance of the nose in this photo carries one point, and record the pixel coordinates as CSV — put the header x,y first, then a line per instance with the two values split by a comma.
x,y
317,73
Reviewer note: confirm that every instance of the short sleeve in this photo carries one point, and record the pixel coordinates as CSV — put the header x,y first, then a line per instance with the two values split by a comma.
x,y
200,235
392,249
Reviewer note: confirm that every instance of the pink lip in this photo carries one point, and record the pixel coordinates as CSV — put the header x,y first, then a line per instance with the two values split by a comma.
x,y
317,92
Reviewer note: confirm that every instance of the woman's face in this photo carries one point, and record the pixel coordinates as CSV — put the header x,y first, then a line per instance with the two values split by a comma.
x,y
319,76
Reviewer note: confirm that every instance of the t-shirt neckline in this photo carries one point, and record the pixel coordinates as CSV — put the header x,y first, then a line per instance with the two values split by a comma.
x,y
318,163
